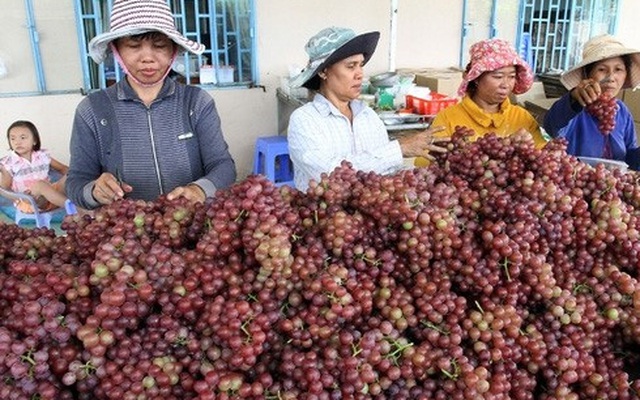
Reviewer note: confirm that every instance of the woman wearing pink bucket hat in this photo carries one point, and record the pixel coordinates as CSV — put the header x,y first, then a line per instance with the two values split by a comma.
x,y
607,67
147,135
494,72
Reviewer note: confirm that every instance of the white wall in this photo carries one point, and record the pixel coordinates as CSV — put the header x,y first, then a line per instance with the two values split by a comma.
x,y
628,23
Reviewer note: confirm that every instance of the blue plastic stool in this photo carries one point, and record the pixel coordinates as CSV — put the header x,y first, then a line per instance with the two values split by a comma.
x,y
43,219
272,160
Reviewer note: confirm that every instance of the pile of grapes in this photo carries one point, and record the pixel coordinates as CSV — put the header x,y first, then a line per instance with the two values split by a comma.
x,y
499,272
604,110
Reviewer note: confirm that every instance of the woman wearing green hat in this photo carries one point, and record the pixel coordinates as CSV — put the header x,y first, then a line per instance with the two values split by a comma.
x,y
336,126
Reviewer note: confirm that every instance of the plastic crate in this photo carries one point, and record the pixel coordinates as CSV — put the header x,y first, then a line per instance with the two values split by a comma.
x,y
429,106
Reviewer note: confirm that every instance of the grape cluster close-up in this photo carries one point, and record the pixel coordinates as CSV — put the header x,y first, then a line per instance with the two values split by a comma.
x,y
501,271
604,110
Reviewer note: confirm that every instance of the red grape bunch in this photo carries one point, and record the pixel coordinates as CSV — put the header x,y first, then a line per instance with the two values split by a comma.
x,y
604,110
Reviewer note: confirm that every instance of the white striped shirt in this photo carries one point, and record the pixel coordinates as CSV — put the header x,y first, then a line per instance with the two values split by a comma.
x,y
320,138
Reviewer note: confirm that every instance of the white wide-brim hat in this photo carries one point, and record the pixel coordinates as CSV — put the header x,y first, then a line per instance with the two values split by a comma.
x,y
329,46
134,17
601,48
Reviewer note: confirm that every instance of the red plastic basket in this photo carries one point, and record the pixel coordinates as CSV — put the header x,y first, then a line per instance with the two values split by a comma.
x,y
429,106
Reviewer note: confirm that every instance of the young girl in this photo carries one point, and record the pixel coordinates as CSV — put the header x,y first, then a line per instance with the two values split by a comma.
x,y
26,169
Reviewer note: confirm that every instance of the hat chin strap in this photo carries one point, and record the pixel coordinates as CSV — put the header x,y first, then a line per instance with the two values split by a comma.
x,y
116,54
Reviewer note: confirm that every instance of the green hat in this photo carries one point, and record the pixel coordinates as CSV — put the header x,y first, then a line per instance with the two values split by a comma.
x,y
329,46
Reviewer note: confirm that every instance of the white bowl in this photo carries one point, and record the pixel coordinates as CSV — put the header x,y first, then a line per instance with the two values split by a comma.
x,y
609,164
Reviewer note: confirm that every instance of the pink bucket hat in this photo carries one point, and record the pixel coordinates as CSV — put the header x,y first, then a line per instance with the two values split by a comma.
x,y
492,54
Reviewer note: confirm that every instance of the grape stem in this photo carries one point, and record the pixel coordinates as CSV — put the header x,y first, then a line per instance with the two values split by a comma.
x,y
180,341
355,349
456,371
505,265
397,349
430,325
413,203
241,215
580,288
244,329
26,357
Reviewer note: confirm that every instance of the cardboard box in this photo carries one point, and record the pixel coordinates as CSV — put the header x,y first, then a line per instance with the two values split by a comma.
x,y
632,99
440,80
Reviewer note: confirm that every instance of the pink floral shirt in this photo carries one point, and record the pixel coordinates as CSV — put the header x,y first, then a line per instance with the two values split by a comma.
x,y
24,172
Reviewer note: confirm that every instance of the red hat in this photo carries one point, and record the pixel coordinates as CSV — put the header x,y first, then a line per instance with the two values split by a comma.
x,y
492,54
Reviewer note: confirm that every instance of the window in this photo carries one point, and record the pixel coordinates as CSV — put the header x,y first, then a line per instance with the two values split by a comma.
x,y
557,29
225,27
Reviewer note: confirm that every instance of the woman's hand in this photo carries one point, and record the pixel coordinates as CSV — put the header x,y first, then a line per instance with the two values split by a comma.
x,y
587,91
191,192
423,143
108,189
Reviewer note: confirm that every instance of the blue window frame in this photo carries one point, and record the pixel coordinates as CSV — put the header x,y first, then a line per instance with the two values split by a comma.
x,y
555,30
550,33
225,27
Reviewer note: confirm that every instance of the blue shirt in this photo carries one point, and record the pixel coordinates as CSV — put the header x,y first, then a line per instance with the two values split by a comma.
x,y
581,130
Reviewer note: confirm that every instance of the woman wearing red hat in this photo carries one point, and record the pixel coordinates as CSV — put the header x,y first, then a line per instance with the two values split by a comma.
x,y
494,72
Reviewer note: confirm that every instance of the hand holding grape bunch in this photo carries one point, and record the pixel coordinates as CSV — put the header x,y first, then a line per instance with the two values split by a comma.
x,y
604,109
601,105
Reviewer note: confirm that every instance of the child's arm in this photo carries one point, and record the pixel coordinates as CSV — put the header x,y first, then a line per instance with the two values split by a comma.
x,y
58,166
5,178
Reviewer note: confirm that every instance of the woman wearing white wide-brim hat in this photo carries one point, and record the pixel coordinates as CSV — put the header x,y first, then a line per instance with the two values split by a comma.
x,y
606,68
336,126
147,135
